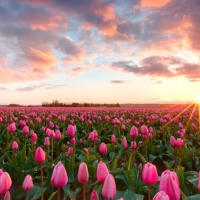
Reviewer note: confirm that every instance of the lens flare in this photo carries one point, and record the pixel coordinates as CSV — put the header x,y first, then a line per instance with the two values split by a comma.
x,y
198,98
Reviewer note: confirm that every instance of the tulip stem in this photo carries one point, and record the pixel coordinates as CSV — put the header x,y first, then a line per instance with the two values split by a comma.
x,y
58,193
52,148
58,148
42,197
149,196
26,194
25,143
146,152
84,198
1,197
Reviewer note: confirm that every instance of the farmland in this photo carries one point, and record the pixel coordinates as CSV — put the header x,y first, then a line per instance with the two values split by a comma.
x,y
103,152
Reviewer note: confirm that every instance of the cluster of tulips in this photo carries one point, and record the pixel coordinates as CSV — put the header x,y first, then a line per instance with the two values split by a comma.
x,y
100,152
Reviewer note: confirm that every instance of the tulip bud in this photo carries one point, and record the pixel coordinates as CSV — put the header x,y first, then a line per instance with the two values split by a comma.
x,y
149,174
59,176
39,155
28,183
109,187
102,171
83,174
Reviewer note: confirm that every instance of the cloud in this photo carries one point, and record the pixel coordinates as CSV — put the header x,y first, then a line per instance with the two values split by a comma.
x,y
157,66
158,82
55,86
118,81
3,88
154,3
28,88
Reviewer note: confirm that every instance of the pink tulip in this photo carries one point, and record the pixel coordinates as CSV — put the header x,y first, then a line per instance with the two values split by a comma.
x,y
12,127
102,148
70,151
169,183
28,183
22,123
5,182
39,155
134,145
46,141
85,150
7,196
109,188
71,130
57,135
172,141
144,130
102,171
149,174
73,141
25,130
113,138
123,127
134,132
14,146
124,143
59,176
94,195
179,142
83,174
34,137
161,196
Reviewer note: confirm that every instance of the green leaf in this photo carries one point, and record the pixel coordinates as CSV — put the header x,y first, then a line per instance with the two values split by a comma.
x,y
129,194
36,192
194,197
52,195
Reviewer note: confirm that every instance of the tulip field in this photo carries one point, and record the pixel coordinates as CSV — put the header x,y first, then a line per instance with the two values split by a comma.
x,y
99,153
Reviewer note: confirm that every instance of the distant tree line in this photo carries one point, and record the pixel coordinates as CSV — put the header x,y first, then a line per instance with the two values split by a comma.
x,y
56,103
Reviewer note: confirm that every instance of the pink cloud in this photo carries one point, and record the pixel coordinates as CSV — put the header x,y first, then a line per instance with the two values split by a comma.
x,y
154,3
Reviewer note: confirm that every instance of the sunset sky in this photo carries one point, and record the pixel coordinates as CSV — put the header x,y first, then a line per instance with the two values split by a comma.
x,y
99,51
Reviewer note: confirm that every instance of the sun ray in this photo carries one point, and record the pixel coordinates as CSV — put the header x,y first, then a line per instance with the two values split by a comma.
x,y
190,105
191,115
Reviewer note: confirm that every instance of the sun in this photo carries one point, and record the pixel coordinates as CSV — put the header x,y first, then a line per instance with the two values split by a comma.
x,y
198,98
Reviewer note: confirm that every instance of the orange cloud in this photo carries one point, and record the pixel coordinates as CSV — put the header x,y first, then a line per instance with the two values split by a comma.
x,y
39,59
107,12
52,23
154,3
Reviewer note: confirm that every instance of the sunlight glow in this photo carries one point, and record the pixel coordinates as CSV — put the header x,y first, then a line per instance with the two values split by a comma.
x,y
198,98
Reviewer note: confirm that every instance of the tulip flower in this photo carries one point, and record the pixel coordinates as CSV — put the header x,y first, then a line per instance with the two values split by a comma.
x,y
12,127
40,157
14,145
109,188
102,171
59,176
124,143
70,151
94,195
25,130
144,130
134,132
161,196
7,196
134,145
113,138
71,130
169,183
102,148
28,183
5,182
46,141
149,174
83,176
